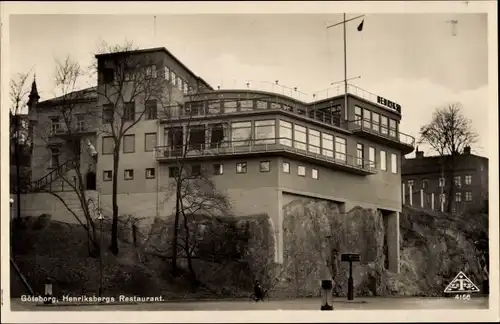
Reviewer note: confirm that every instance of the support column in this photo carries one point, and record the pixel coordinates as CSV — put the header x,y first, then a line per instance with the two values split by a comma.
x,y
422,198
432,201
392,232
411,196
404,194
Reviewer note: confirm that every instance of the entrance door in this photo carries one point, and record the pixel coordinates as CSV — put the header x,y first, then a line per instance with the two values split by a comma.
x,y
91,181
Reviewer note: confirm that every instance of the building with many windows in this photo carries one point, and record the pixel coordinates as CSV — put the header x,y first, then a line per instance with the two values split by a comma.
x,y
428,184
264,149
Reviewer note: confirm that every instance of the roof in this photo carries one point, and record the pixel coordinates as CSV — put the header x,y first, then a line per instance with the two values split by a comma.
x,y
431,164
158,49
84,94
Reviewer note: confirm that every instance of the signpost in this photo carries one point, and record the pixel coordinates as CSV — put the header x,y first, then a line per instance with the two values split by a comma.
x,y
350,257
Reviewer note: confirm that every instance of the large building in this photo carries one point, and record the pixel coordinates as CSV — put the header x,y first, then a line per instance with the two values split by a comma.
x,y
426,182
264,149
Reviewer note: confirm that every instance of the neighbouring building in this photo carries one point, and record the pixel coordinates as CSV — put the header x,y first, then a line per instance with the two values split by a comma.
x,y
426,183
265,149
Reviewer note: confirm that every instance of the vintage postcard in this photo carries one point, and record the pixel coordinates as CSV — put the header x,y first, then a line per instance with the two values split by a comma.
x,y
249,161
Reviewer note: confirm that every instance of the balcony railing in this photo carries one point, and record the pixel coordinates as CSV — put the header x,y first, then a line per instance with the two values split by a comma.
x,y
383,131
60,129
177,112
267,145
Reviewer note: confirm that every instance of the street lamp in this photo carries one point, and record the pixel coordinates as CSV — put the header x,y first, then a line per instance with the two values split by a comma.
x,y
100,218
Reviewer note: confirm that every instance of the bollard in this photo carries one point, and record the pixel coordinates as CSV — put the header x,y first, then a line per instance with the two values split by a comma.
x,y
350,257
48,291
326,295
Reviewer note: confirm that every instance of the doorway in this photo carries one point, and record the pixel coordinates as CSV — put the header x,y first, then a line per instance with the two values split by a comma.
x,y
90,181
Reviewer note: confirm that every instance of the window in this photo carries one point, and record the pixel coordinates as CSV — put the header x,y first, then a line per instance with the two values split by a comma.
x,y
265,131
468,180
425,184
314,174
383,160
241,133
151,109
107,175
340,149
392,128
285,133
149,142
196,170
55,126
458,196
261,104
375,122
54,157
458,181
441,182
286,167
265,166
468,196
178,81
151,72
327,144
174,139
108,144
394,163
80,123
241,167
245,105
129,174
108,75
107,113
168,75
357,115
384,125
218,169
367,116
360,155
196,108
213,106
314,141
300,137
217,134
411,183
129,111
301,170
150,173
371,157
230,106
173,172
129,144
197,136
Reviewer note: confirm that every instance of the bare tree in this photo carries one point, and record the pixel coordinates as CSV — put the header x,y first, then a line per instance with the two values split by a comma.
x,y
68,128
127,77
18,95
448,133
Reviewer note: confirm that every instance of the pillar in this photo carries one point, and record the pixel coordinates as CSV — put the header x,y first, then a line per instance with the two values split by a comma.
x,y
422,198
411,196
404,198
432,201
392,233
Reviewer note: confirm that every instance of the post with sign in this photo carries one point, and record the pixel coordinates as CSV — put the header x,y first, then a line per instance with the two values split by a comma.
x,y
350,257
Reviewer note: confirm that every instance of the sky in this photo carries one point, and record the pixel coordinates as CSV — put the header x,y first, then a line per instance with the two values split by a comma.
x,y
412,59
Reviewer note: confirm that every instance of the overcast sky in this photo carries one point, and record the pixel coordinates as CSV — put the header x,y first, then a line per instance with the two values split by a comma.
x,y
412,59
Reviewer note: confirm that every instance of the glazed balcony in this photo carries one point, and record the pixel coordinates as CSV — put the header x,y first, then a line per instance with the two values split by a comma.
x,y
270,146
383,135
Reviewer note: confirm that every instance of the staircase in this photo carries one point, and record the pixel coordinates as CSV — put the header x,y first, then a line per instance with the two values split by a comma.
x,y
47,180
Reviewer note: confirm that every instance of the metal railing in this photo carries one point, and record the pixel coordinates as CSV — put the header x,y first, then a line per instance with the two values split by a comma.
x,y
52,176
368,126
177,112
262,146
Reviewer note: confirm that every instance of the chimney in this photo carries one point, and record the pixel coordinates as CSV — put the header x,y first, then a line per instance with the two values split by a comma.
x,y
467,150
419,154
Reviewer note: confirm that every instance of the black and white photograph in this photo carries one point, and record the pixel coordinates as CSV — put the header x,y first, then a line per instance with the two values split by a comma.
x,y
319,161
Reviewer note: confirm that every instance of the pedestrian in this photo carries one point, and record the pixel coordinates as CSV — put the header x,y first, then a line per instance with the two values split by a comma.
x,y
258,291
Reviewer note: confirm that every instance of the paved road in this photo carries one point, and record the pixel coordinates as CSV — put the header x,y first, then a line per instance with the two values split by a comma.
x,y
374,303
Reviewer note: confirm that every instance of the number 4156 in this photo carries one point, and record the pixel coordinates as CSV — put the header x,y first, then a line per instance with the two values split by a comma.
x,y
463,296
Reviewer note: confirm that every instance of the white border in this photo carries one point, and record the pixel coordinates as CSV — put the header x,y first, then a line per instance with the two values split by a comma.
x,y
158,8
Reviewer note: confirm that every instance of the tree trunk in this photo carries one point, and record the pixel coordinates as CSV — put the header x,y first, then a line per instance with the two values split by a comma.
x,y
18,169
187,247
114,227
176,224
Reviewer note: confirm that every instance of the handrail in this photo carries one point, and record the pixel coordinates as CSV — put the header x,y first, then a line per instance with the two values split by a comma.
x,y
381,130
44,181
263,145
